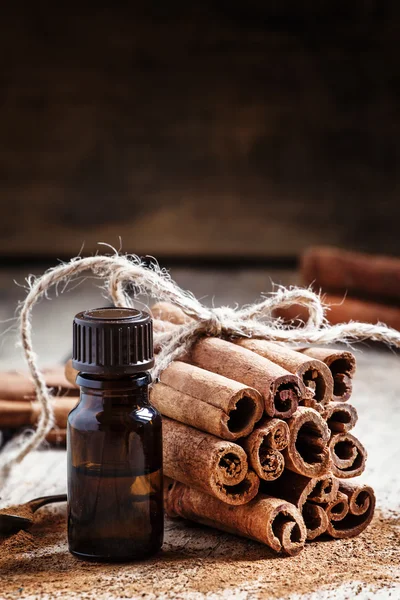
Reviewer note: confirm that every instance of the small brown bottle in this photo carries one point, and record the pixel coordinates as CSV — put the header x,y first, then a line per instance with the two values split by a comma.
x,y
115,505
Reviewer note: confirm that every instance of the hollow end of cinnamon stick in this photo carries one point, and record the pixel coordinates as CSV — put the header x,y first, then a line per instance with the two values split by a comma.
x,y
315,520
280,389
238,494
263,447
318,382
237,423
239,405
308,453
342,365
205,462
314,374
246,408
285,396
299,489
348,455
271,521
338,508
340,417
361,508
231,464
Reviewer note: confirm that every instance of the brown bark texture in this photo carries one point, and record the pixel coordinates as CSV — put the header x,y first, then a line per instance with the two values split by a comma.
x,y
206,463
306,493
348,455
342,365
340,417
264,445
315,374
280,389
360,274
354,510
22,413
15,385
307,452
272,521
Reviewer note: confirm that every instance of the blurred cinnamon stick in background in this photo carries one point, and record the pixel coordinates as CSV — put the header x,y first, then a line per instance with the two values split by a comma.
x,y
355,286
336,270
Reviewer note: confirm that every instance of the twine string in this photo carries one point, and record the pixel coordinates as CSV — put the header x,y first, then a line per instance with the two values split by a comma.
x,y
121,272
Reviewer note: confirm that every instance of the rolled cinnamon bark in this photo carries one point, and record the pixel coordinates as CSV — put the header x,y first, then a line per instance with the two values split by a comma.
x,y
315,519
304,493
71,373
268,520
308,453
361,507
207,463
207,401
16,413
348,455
343,309
166,311
342,270
336,510
315,374
15,385
342,365
280,389
340,417
264,445
57,437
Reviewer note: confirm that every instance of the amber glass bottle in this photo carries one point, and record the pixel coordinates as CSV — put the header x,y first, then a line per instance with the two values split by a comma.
x,y
115,507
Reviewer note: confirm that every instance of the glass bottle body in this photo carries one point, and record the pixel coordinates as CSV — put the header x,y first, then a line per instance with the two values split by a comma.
x,y
115,505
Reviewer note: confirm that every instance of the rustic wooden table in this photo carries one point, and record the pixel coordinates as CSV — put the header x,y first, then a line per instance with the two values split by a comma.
x,y
197,562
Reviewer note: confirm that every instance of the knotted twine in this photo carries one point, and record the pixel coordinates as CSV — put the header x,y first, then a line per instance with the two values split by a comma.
x,y
122,272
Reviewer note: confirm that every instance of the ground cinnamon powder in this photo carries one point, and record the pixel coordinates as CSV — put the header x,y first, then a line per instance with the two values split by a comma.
x,y
195,561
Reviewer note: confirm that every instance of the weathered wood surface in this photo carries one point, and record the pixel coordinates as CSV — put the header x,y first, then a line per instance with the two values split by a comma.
x,y
199,129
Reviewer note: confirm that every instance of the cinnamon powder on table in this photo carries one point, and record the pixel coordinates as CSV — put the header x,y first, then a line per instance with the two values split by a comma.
x,y
196,560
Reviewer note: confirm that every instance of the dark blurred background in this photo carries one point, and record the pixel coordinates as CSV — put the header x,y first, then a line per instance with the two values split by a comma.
x,y
214,130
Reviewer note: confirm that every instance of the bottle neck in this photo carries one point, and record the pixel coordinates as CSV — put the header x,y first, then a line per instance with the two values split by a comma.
x,y
130,390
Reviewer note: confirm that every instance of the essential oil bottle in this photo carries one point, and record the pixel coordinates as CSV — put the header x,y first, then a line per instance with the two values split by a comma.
x,y
115,503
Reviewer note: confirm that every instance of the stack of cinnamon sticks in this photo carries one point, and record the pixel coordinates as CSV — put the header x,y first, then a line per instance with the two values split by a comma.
x,y
258,442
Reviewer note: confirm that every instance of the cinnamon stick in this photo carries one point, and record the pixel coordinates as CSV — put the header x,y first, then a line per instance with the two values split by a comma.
x,y
342,365
336,510
343,309
57,437
307,452
304,493
271,521
206,400
280,389
21,413
15,385
264,445
348,455
340,417
207,463
166,311
315,374
342,270
361,507
71,373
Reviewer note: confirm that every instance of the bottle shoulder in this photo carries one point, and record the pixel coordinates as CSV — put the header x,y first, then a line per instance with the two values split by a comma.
x,y
96,415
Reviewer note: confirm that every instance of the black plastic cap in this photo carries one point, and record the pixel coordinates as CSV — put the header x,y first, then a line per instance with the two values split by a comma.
x,y
112,341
